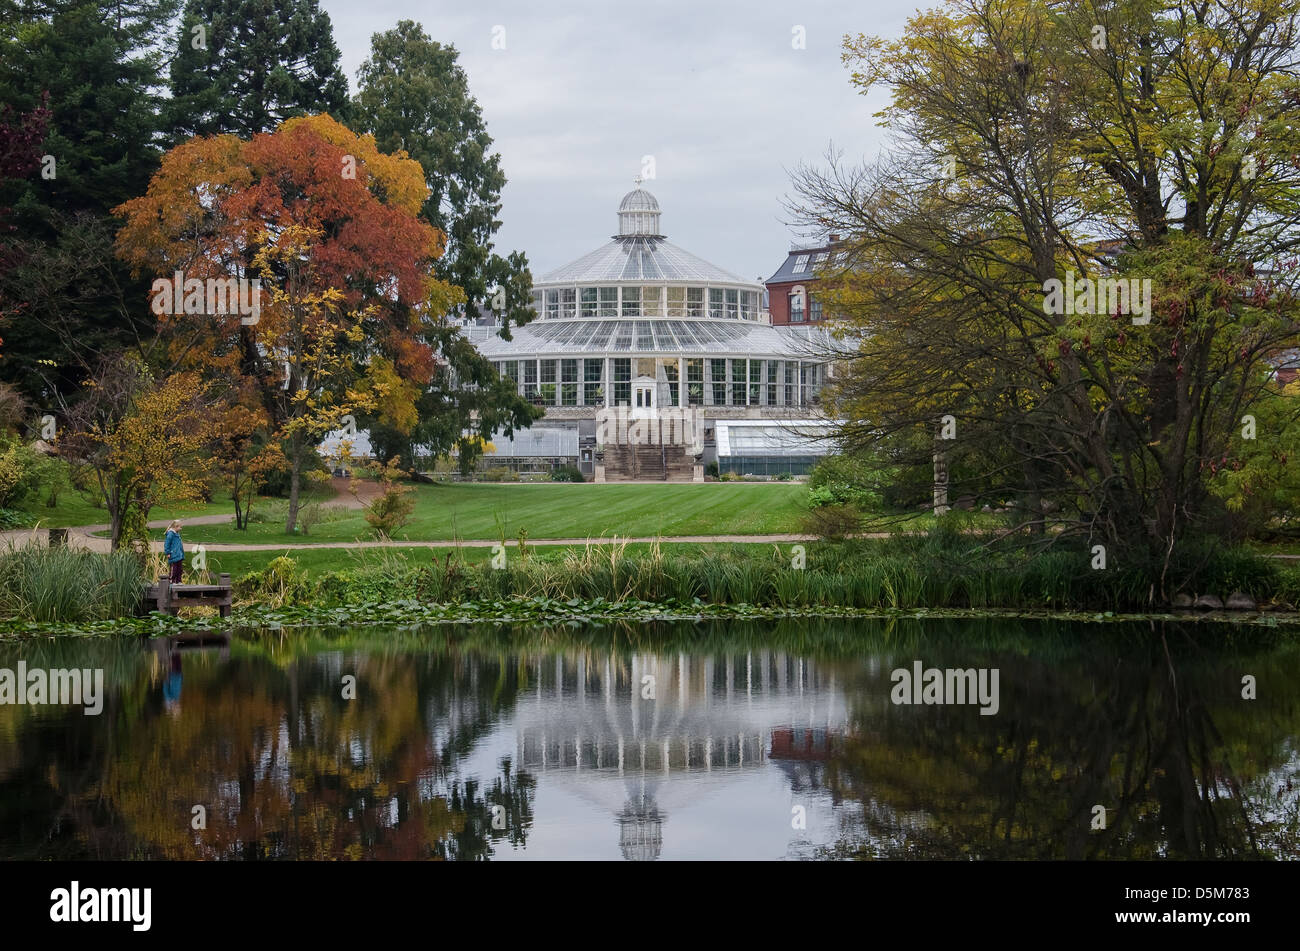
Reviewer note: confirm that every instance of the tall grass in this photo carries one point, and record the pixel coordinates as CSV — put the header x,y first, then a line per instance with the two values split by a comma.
x,y
901,574
62,584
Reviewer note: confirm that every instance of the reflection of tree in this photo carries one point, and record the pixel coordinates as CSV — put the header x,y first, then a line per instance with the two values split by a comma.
x,y
286,768
1143,739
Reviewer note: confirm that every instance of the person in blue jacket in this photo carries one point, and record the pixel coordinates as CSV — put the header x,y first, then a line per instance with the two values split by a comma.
x,y
174,549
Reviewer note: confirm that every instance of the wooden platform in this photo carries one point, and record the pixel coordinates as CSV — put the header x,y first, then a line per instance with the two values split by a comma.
x,y
170,598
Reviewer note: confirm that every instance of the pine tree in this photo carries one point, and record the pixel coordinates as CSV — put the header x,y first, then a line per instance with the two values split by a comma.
x,y
243,66
413,95
97,65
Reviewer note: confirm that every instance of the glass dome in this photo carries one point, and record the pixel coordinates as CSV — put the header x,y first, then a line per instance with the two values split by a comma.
x,y
639,273
638,214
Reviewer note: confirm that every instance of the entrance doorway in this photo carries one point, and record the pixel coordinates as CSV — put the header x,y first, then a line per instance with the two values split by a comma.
x,y
643,394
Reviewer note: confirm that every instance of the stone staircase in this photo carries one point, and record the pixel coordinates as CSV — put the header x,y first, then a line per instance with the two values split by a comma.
x,y
663,462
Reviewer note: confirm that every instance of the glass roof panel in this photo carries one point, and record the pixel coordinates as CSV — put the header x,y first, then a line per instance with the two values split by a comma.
x,y
685,335
587,330
600,339
641,258
588,336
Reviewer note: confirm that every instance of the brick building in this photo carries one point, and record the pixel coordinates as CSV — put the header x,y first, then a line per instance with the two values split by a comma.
x,y
792,290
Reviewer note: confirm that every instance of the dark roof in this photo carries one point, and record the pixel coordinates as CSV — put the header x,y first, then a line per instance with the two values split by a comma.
x,y
804,259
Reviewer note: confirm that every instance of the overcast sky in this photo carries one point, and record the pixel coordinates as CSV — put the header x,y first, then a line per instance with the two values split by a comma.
x,y
714,91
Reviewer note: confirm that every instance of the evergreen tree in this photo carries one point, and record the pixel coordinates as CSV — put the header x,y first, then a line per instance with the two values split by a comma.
x,y
243,66
413,95
97,65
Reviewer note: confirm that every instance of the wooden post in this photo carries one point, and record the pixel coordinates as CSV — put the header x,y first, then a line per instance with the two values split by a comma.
x,y
940,481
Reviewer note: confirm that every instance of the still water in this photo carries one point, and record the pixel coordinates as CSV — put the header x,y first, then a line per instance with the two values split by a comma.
x,y
728,740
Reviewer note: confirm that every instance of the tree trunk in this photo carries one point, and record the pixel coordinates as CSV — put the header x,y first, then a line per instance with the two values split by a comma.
x,y
112,504
1034,511
295,477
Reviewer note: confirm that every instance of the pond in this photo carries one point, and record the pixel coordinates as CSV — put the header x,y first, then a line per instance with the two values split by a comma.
x,y
797,739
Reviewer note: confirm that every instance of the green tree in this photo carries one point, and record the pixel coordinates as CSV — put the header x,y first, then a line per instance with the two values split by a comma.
x,y
97,65
244,66
1032,148
464,404
413,95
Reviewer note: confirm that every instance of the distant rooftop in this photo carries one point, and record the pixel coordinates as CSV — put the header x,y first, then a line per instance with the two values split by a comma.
x,y
801,263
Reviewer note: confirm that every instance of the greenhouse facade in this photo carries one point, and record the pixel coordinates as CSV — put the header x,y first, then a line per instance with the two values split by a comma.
x,y
643,326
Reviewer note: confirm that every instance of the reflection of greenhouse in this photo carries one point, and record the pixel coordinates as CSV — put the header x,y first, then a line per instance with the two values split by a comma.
x,y
642,735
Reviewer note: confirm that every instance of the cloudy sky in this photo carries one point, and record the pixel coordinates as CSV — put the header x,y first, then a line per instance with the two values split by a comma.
x,y
715,92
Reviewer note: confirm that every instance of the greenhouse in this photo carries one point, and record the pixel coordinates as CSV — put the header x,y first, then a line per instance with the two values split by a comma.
x,y
644,324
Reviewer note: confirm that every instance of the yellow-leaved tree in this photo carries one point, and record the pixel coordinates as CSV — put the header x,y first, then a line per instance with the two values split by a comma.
x,y
142,441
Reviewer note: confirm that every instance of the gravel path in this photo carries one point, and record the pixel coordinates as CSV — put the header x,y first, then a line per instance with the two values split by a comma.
x,y
89,536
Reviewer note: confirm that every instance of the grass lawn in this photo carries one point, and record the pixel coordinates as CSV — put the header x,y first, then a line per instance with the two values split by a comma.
x,y
73,509
558,510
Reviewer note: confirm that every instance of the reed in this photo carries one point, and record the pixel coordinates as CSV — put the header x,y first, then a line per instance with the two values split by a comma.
x,y
44,584
907,573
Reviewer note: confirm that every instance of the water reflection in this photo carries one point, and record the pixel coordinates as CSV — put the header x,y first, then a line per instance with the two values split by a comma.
x,y
723,741
638,737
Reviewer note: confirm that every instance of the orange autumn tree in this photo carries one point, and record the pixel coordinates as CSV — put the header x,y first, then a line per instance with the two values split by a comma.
x,y
329,226
243,453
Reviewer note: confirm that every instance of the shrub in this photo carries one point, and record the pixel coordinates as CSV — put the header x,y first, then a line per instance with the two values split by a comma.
x,y
500,474
14,518
567,474
843,480
19,472
308,516
280,583
832,520
391,510
711,470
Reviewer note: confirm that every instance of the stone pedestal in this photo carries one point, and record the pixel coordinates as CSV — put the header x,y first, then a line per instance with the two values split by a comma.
x,y
599,474
697,473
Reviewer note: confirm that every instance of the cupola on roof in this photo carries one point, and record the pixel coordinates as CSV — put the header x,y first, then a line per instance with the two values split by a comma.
x,y
640,252
638,214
